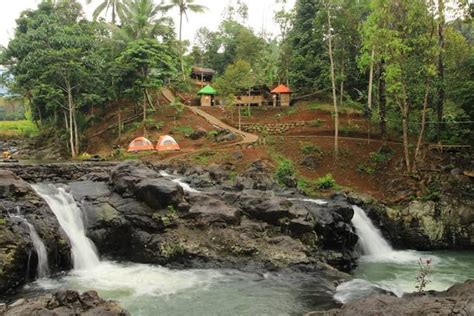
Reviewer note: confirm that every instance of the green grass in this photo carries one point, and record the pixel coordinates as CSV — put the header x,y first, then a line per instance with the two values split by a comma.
x,y
18,129
329,108
183,129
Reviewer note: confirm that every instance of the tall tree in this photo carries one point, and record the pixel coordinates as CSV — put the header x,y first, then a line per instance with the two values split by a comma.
x,y
400,33
142,20
441,84
333,76
56,60
184,7
116,7
152,64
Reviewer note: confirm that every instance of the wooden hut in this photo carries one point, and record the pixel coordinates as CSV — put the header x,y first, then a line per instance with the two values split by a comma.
x,y
255,96
202,75
281,96
207,95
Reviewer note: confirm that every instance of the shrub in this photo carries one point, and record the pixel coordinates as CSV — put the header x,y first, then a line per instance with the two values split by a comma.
x,y
159,125
346,129
379,157
363,168
184,129
422,279
309,149
285,173
316,123
326,182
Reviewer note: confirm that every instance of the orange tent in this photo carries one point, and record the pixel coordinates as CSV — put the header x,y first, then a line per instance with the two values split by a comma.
x,y
140,144
167,143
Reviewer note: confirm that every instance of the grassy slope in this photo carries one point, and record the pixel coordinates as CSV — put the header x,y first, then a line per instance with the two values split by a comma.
x,y
17,129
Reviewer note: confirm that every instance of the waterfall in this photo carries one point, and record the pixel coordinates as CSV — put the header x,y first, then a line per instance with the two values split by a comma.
x,y
38,245
69,216
43,267
371,239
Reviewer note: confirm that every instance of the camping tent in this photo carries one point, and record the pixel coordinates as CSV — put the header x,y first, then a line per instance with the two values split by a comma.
x,y
167,143
140,144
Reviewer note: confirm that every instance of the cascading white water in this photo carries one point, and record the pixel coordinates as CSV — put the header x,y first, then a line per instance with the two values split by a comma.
x,y
69,217
40,249
43,266
374,247
371,240
186,187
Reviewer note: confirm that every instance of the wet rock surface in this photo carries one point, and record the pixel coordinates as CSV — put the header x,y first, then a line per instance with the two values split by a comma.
x,y
65,303
18,259
134,213
457,300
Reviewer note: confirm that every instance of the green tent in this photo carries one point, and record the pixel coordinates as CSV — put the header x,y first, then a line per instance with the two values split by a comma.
x,y
207,90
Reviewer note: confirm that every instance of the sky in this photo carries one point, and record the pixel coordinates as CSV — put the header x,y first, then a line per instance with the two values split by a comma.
x,y
260,14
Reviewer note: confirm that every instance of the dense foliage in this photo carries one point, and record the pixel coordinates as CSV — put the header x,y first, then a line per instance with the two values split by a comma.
x,y
409,66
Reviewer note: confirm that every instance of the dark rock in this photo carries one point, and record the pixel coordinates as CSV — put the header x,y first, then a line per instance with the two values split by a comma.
x,y
237,155
310,162
210,210
16,249
457,300
224,136
12,186
198,134
66,302
133,178
159,193
300,226
272,210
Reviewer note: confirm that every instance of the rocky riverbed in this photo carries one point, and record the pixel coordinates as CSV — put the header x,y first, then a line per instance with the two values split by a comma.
x,y
183,216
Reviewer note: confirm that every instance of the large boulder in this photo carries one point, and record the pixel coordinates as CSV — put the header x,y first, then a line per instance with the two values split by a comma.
x,y
211,210
66,303
272,210
133,178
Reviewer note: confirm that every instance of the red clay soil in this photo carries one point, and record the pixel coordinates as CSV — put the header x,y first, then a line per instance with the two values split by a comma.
x,y
318,122
353,153
103,144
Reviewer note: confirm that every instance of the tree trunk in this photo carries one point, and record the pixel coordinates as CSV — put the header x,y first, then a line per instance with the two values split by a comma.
x,y
76,133
113,13
404,109
181,53
144,112
382,102
120,122
371,79
334,96
71,127
423,123
441,85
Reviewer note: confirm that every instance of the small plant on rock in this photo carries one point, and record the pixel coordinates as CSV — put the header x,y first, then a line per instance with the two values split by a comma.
x,y
285,173
326,182
424,273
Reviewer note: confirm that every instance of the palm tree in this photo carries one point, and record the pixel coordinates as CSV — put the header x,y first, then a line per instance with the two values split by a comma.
x,y
141,20
116,6
184,6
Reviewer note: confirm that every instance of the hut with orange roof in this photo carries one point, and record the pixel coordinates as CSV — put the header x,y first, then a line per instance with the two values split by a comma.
x,y
281,96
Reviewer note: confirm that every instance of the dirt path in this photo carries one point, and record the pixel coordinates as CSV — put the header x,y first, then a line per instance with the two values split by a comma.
x,y
247,138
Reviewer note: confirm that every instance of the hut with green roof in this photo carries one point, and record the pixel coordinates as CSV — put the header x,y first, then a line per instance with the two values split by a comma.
x,y
207,95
